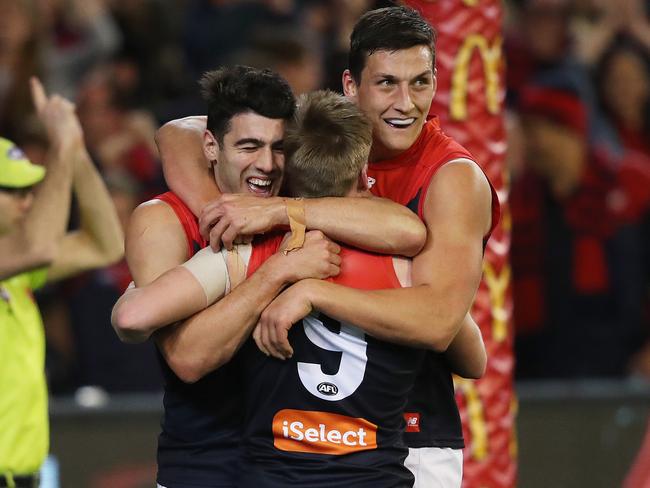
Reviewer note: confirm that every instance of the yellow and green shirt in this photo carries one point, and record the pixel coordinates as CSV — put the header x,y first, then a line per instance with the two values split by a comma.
x,y
24,431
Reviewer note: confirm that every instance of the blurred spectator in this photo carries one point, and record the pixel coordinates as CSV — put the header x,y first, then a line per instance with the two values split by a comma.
x,y
215,29
540,49
575,253
19,59
343,15
119,138
623,80
596,24
150,49
293,54
78,34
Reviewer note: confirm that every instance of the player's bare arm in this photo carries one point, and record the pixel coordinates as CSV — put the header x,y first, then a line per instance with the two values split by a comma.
x,y
186,169
372,223
173,296
155,243
466,354
35,241
210,338
445,276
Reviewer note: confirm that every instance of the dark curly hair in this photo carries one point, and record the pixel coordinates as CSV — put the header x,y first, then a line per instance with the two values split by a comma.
x,y
229,91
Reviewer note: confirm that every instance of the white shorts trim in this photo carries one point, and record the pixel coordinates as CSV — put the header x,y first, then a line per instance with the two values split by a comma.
x,y
436,467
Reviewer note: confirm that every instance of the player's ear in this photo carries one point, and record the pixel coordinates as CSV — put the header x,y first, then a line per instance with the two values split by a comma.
x,y
349,85
210,146
363,184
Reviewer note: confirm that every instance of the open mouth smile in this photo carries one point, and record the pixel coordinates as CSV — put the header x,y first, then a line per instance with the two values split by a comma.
x,y
400,123
259,185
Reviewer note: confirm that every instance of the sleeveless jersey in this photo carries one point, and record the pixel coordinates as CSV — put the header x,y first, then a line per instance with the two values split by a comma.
x,y
332,414
431,413
201,427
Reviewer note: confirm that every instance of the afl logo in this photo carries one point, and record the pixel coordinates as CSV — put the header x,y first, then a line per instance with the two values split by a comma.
x,y
328,389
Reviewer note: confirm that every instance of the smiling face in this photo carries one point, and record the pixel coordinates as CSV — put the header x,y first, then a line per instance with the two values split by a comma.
x,y
395,92
251,158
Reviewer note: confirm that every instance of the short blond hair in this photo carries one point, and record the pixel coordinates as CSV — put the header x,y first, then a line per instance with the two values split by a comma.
x,y
326,145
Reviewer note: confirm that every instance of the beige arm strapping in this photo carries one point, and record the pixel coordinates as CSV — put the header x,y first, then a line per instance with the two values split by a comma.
x,y
211,271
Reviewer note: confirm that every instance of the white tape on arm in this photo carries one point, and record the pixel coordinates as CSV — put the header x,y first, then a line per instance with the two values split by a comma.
x,y
209,269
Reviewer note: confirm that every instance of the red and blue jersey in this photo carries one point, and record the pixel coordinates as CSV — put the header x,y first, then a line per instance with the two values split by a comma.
x,y
332,414
201,425
432,414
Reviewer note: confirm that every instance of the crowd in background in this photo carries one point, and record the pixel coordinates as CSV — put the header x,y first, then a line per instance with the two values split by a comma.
x,y
578,105
579,119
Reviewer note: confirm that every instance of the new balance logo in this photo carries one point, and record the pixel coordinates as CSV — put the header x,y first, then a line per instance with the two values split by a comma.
x,y
412,422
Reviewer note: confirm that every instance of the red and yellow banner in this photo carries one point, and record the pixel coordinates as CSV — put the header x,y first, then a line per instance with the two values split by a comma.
x,y
469,102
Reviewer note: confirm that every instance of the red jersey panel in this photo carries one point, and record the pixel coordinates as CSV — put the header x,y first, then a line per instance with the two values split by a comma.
x,y
405,179
201,427
195,241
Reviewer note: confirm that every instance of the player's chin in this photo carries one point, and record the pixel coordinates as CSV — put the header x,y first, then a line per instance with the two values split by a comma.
x,y
399,140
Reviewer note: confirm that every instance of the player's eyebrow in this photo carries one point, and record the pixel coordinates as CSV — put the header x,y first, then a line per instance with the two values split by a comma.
x,y
385,76
250,141
424,74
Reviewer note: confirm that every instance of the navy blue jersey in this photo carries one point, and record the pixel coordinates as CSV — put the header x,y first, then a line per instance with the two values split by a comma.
x,y
332,415
201,427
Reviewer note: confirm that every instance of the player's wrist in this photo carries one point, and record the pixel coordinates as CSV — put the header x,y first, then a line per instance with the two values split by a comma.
x,y
278,271
280,213
308,290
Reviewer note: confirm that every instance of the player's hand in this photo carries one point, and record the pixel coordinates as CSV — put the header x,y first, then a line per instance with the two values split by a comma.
x,y
57,115
272,332
231,216
318,258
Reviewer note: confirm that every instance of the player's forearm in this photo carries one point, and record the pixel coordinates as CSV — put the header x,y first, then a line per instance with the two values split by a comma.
x,y
373,224
99,219
466,353
127,318
139,312
186,169
210,338
421,316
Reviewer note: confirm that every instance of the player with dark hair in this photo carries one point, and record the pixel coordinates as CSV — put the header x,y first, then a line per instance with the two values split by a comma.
x,y
202,421
198,445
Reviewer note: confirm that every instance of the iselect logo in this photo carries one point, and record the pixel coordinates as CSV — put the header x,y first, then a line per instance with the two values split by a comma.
x,y
322,432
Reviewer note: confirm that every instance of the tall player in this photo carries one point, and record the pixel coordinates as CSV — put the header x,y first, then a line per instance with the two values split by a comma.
x,y
392,79
247,110
359,409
